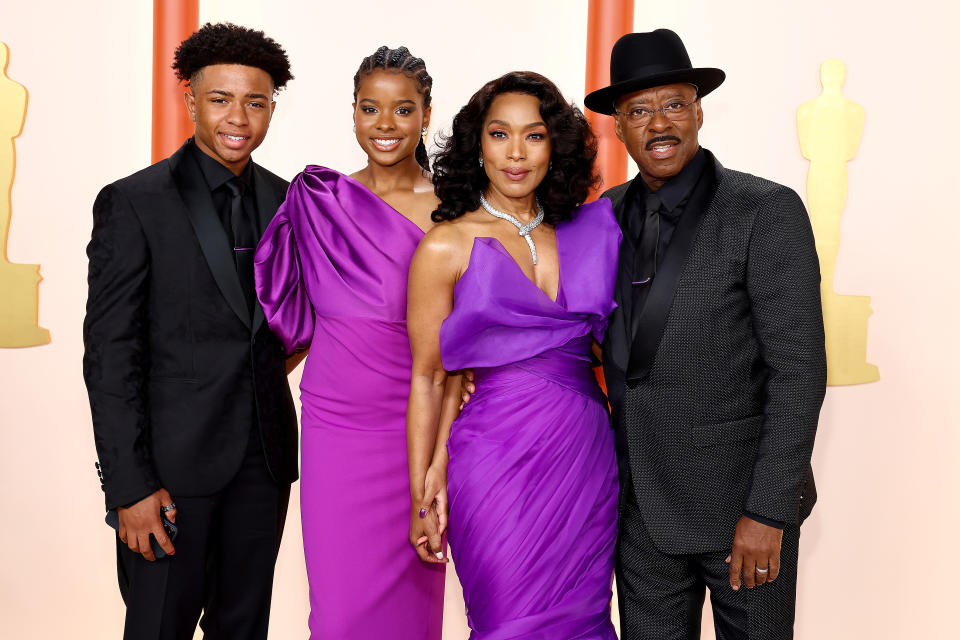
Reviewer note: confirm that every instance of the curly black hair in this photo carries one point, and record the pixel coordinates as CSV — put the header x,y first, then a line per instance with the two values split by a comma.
x,y
401,60
458,178
226,43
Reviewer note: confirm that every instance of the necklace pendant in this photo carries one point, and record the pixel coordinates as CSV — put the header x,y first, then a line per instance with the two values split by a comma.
x,y
523,229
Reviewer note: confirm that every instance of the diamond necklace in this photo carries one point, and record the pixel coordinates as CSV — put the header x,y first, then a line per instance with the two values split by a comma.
x,y
524,229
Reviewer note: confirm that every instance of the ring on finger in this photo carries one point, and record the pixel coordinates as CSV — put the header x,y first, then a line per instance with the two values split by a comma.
x,y
762,571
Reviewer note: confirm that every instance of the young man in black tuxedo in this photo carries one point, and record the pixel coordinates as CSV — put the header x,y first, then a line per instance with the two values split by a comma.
x,y
714,363
192,413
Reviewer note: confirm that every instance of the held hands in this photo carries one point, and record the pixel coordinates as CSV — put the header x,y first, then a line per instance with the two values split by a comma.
x,y
141,519
428,517
756,552
467,387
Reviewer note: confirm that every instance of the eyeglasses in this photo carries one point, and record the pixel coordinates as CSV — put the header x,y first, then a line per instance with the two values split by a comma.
x,y
642,116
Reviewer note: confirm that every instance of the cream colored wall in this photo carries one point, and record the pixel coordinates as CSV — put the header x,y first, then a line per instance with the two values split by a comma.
x,y
876,555
88,121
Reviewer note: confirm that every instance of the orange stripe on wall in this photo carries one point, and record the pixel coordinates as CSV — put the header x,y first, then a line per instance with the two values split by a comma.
x,y
607,20
173,21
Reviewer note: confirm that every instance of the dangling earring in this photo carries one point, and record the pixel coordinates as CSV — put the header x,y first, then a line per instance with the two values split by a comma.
x,y
481,161
423,135
550,166
354,128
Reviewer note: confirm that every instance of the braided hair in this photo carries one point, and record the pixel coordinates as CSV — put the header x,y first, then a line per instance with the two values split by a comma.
x,y
401,60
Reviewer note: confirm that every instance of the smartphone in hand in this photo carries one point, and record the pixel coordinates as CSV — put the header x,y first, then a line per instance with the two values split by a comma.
x,y
113,519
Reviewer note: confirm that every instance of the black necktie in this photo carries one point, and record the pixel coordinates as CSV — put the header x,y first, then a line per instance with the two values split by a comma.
x,y
645,258
243,240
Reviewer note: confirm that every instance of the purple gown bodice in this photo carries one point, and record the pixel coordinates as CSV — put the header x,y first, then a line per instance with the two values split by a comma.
x,y
532,477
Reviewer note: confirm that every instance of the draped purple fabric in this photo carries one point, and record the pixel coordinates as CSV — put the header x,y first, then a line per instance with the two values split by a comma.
x,y
532,478
331,273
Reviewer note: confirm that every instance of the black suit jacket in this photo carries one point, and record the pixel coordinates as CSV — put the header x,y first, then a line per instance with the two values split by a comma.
x,y
177,372
716,400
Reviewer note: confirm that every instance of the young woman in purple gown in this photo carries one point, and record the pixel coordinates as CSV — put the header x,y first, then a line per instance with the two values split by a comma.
x,y
517,284
332,277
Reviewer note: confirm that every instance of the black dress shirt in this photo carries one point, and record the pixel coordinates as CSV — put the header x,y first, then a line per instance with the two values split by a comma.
x,y
216,176
673,195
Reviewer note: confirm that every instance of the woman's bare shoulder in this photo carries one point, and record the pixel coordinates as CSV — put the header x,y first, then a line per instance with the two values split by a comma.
x,y
444,236
451,241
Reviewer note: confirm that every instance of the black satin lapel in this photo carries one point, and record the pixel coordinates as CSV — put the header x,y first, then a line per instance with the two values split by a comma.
x,y
268,201
210,233
617,340
619,328
660,299
257,317
617,201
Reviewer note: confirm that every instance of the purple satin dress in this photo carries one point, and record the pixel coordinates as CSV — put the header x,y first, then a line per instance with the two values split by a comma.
x,y
532,479
331,274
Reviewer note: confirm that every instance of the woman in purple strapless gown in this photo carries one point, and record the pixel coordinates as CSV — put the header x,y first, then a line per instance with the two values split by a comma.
x,y
518,286
332,277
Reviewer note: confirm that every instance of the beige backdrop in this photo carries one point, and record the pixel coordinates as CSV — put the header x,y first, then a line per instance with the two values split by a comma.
x,y
877,554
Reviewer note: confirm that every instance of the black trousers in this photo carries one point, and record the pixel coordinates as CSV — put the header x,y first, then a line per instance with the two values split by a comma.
x,y
661,596
226,549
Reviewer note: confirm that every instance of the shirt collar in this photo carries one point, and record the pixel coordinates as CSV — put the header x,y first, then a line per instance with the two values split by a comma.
x,y
678,188
215,174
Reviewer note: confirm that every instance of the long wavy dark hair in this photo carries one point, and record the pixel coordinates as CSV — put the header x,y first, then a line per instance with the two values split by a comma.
x,y
458,178
399,60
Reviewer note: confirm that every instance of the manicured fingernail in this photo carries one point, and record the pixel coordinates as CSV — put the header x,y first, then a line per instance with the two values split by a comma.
x,y
423,513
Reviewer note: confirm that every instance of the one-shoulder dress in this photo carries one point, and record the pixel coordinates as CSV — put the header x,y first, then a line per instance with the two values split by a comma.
x,y
532,477
331,273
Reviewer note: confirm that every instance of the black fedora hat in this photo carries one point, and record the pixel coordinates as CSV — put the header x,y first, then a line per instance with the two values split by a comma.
x,y
643,60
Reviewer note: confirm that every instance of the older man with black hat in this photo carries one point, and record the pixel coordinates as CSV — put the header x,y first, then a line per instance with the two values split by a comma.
x,y
714,362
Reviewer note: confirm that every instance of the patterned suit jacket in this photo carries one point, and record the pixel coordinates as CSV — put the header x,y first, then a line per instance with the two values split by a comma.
x,y
716,400
177,370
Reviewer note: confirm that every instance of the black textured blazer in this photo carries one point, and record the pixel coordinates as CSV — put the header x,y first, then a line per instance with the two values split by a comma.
x,y
716,400
177,371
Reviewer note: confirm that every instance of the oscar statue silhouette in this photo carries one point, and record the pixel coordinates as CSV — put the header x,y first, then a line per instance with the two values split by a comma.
x,y
18,282
830,128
